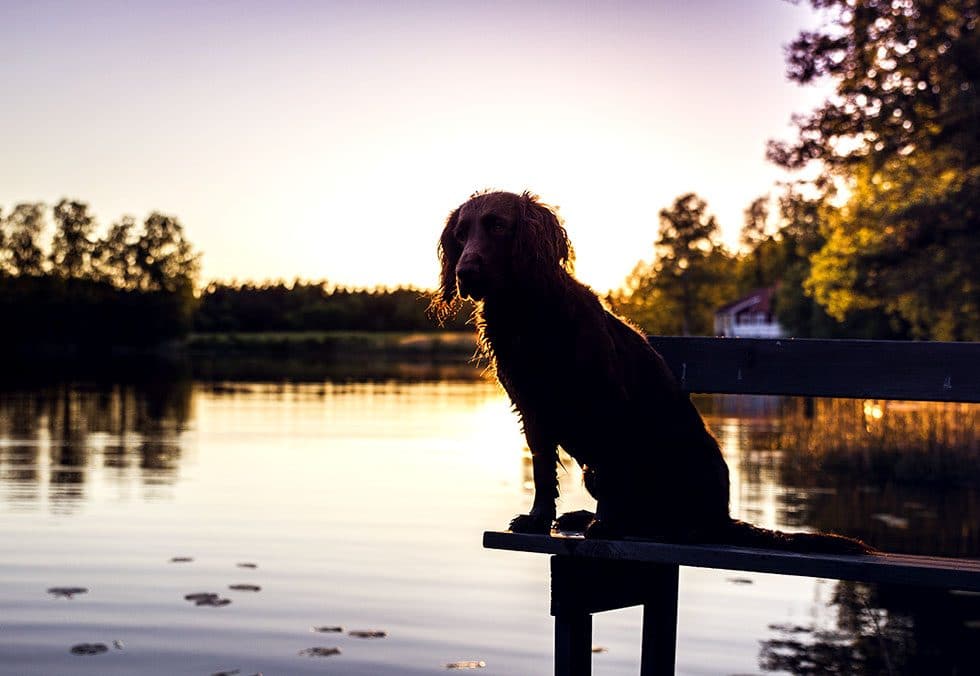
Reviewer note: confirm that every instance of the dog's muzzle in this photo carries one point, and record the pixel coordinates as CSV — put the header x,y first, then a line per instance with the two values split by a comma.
x,y
469,283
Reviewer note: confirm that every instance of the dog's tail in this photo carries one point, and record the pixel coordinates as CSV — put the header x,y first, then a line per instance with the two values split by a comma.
x,y
745,534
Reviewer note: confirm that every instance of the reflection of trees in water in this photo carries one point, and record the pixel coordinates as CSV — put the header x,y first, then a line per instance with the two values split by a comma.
x,y
879,629
304,366
53,436
902,476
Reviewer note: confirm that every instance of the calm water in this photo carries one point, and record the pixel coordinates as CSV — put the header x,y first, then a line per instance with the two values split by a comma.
x,y
362,506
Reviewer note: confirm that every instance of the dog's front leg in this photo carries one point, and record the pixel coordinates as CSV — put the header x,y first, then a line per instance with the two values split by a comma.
x,y
544,463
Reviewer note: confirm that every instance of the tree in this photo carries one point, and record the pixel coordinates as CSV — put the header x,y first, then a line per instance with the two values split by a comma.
x,y
684,248
902,137
690,276
71,246
114,256
4,250
754,235
642,301
164,259
23,228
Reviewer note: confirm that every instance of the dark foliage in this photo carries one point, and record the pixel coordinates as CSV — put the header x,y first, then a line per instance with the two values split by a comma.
x,y
130,288
46,311
312,306
902,134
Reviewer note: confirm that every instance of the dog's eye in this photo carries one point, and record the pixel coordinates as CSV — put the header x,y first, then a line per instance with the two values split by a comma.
x,y
460,233
496,225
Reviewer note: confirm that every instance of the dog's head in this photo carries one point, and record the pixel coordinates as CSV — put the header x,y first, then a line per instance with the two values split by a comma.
x,y
497,243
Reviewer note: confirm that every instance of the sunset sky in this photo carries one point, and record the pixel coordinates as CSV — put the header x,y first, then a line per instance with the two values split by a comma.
x,y
330,140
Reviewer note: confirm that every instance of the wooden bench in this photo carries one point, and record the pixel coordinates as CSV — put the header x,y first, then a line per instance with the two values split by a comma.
x,y
590,576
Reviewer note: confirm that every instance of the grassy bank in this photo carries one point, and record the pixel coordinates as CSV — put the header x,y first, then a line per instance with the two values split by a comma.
x,y
439,345
333,355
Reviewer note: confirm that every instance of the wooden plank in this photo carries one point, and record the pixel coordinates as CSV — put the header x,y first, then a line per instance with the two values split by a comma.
x,y
596,585
870,369
658,655
583,586
573,644
926,571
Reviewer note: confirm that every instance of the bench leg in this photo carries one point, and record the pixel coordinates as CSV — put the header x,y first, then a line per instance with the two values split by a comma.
x,y
573,644
660,626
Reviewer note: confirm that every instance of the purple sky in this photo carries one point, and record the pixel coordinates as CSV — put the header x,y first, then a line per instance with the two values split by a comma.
x,y
330,139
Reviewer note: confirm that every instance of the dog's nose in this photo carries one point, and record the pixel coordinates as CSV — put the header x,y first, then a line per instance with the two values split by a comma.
x,y
467,274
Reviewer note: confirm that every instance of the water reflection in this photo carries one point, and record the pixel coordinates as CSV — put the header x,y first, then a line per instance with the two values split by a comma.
x,y
908,482
325,479
902,476
54,438
878,629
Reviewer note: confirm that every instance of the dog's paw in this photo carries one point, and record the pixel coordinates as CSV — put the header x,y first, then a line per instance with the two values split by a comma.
x,y
528,523
574,522
601,530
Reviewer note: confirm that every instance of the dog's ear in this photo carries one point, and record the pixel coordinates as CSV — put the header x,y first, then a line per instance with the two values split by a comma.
x,y
445,301
542,242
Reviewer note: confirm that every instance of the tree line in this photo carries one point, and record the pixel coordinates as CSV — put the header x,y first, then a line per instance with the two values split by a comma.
x,y
137,284
68,287
314,306
691,273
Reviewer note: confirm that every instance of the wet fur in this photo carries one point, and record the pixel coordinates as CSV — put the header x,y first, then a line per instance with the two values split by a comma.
x,y
583,379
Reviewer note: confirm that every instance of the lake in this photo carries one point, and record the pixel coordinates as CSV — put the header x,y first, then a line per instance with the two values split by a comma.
x,y
361,506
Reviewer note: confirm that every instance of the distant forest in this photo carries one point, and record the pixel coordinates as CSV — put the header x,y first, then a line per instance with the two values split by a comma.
x,y
138,285
133,286
314,306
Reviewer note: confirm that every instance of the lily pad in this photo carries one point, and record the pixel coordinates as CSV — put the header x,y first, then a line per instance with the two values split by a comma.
x,y
247,564
89,649
67,592
207,599
245,587
213,602
181,559
467,664
365,633
319,652
200,596
328,629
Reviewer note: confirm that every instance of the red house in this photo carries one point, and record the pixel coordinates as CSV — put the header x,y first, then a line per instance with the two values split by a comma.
x,y
749,317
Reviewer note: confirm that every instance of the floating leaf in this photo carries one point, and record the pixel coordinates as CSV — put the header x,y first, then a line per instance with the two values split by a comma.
x,y
245,587
89,649
67,592
319,652
200,596
362,633
213,602
328,629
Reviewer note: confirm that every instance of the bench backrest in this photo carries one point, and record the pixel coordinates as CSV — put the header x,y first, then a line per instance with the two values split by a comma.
x,y
867,369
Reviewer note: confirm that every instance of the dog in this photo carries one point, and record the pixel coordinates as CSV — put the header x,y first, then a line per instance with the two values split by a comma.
x,y
582,378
